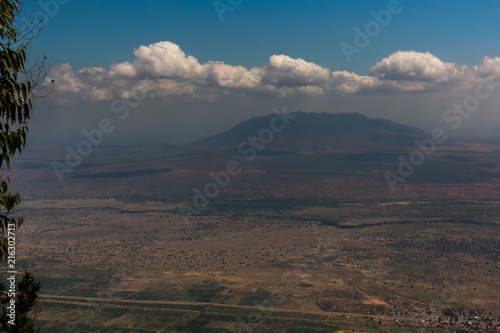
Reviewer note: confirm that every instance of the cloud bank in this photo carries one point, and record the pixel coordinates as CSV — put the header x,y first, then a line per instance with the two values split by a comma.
x,y
177,75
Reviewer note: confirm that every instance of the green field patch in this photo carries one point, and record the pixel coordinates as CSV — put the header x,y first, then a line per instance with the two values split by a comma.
x,y
53,285
205,291
258,296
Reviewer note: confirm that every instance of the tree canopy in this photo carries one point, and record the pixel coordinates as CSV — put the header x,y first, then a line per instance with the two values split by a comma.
x,y
17,84
27,307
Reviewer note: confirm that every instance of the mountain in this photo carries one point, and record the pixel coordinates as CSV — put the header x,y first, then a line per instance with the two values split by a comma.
x,y
316,155
313,132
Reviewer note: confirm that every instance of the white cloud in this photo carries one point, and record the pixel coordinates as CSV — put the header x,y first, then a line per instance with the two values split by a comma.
x,y
285,71
416,66
229,76
490,67
67,81
96,74
178,75
167,60
122,70
87,84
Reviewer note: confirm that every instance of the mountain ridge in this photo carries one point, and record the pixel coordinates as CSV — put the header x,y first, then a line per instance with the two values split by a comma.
x,y
312,131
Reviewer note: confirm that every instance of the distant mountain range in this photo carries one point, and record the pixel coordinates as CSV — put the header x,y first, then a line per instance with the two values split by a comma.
x,y
313,132
343,155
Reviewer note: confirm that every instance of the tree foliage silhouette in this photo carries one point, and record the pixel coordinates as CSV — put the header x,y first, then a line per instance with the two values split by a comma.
x,y
27,306
17,90
17,85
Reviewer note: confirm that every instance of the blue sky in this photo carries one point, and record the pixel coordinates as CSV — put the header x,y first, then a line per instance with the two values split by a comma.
x,y
86,33
214,74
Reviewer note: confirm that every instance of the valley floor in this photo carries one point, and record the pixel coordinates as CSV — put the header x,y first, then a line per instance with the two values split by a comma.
x,y
266,265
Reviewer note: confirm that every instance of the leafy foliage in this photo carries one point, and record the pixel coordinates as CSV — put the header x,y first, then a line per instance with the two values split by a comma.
x,y
17,85
27,307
